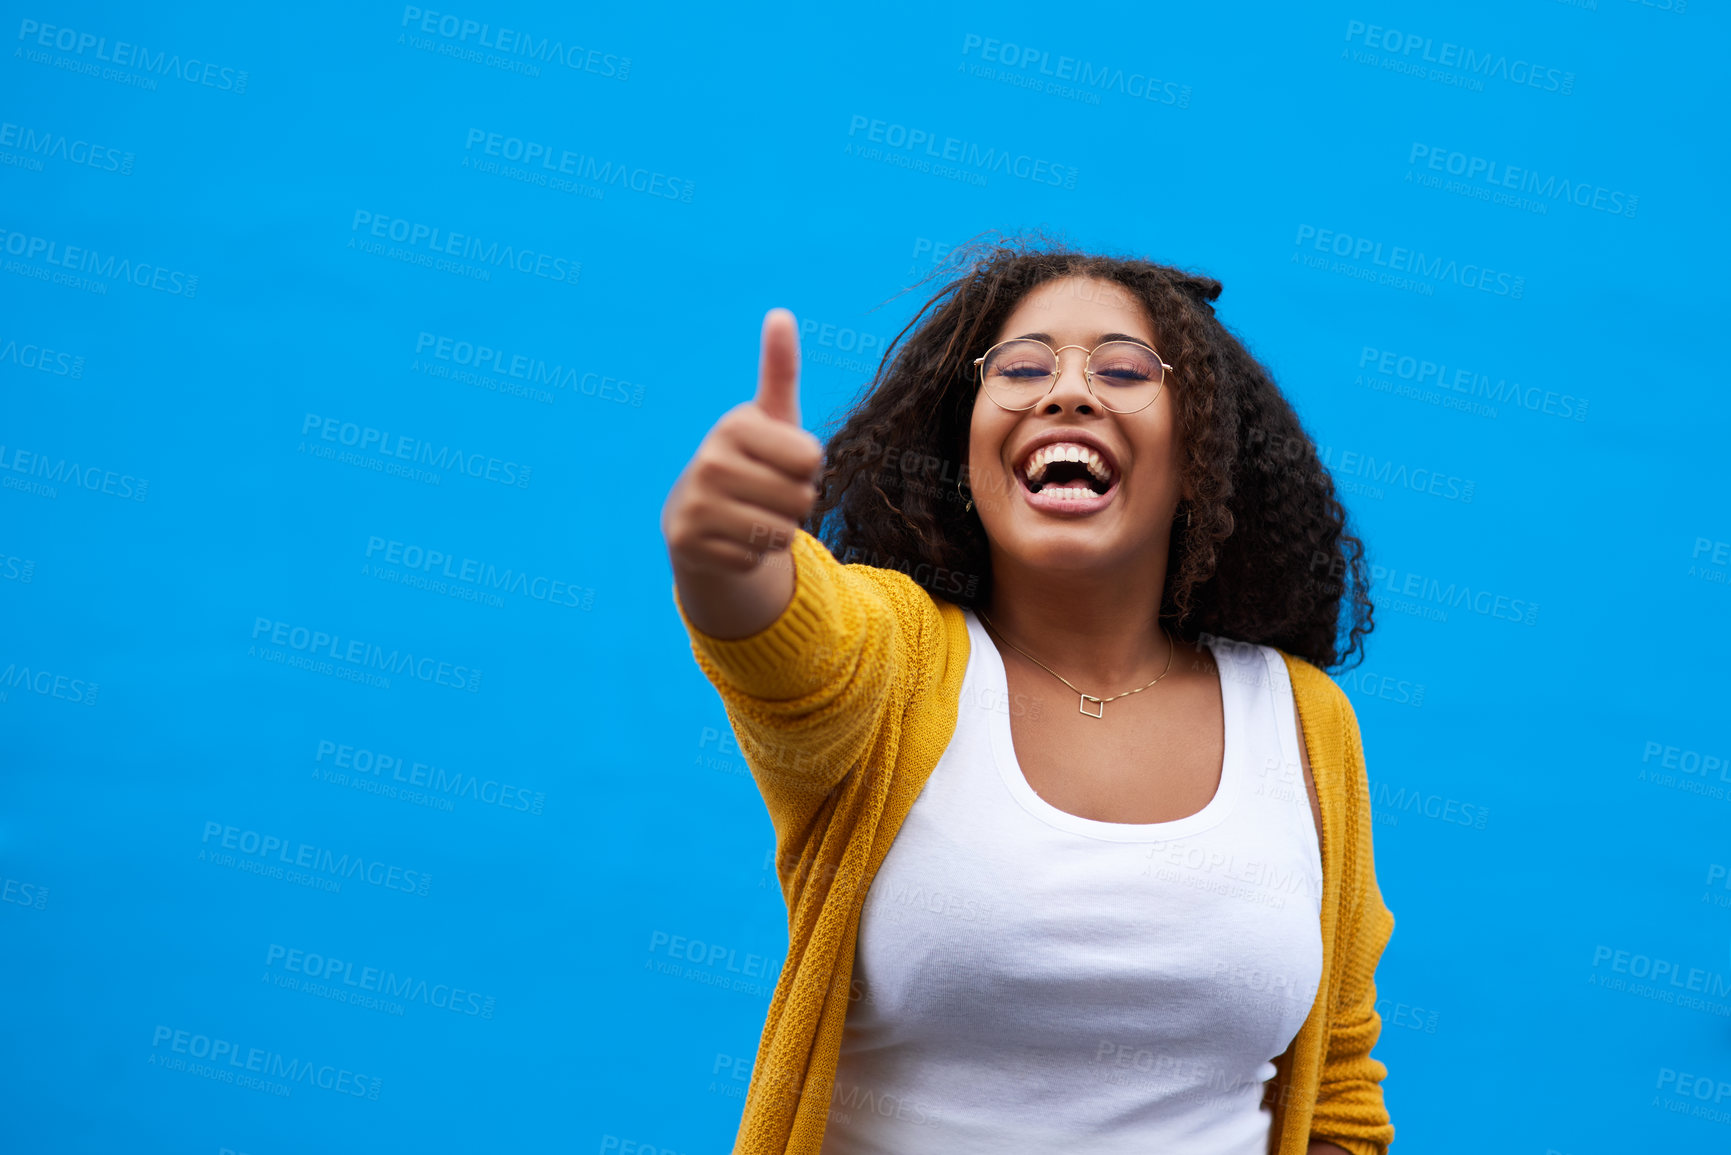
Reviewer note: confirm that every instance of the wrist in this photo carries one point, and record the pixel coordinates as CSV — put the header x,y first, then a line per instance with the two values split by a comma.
x,y
730,606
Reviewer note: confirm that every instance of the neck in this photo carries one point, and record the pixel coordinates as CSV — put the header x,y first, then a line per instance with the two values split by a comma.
x,y
1099,628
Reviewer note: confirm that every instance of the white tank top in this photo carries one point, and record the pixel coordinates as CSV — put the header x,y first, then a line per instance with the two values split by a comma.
x,y
1030,980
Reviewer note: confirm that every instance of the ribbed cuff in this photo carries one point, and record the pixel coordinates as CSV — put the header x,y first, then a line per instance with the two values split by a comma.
x,y
1355,1146
776,662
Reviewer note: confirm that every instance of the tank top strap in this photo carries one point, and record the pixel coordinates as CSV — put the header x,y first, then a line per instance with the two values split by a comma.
x,y
1274,789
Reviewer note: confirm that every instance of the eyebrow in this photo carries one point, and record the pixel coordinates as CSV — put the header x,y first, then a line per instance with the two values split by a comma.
x,y
1049,339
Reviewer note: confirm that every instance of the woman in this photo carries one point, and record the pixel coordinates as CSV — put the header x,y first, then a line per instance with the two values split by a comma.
x,y
1073,830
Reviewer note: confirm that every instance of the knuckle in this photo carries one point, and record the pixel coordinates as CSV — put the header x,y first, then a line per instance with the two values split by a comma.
x,y
709,470
733,423
702,516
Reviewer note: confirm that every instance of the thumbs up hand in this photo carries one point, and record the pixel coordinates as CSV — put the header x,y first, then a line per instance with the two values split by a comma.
x,y
778,368
740,500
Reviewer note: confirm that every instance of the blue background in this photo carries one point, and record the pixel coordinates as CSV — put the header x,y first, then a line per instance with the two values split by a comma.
x,y
1550,783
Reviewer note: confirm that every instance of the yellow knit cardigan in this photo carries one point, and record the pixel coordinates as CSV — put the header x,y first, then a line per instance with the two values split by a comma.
x,y
842,707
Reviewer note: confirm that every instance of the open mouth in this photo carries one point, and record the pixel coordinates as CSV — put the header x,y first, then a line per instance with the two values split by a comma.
x,y
1067,469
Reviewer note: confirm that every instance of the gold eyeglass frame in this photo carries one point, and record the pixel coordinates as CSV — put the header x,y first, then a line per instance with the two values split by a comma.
x,y
1058,371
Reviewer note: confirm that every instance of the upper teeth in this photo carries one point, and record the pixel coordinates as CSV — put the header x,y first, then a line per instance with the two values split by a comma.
x,y
1035,466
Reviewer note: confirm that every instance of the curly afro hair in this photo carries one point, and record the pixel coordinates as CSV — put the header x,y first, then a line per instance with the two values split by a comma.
x,y
1261,554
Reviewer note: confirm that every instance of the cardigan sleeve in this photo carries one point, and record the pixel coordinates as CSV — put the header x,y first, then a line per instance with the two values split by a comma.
x,y
807,694
1349,1106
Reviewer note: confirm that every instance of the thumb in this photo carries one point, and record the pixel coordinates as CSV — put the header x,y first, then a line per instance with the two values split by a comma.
x,y
778,367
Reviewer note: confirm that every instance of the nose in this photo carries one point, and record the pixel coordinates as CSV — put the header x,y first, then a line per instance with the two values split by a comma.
x,y
1070,392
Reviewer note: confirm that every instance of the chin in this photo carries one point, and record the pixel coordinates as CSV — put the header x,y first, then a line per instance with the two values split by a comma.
x,y
1080,546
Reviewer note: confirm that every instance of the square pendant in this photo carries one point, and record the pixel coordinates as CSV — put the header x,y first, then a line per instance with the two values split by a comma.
x,y
1099,710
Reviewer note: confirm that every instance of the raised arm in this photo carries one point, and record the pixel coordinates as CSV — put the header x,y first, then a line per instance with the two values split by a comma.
x,y
808,655
732,515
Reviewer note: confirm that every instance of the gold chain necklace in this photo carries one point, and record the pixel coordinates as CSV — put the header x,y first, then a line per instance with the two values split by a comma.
x,y
1099,710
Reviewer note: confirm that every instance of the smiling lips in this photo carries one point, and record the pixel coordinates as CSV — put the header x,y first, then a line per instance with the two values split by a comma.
x,y
1066,471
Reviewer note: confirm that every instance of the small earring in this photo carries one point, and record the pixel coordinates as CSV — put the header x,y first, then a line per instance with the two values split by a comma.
x,y
968,506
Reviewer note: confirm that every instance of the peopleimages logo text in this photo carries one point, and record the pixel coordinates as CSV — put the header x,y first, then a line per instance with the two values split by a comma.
x,y
1484,602
1137,85
378,980
470,570
564,162
1411,261
1500,175
92,262
525,367
240,1063
366,655
58,146
41,358
516,42
956,151
374,872
1439,375
1485,65
419,450
57,469
47,683
125,55
466,246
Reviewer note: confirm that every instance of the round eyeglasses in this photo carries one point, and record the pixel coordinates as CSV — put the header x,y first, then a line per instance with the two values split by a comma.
x,y
1123,376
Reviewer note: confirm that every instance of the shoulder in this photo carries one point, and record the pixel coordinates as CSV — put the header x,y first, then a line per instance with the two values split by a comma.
x,y
932,632
1251,663
1328,726
1312,687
